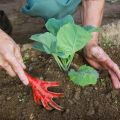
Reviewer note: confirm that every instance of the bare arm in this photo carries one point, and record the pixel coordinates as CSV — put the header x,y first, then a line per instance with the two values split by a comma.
x,y
92,14
10,57
94,54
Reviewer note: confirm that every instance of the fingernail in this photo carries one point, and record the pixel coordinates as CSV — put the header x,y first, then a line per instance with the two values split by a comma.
x,y
23,65
119,85
25,82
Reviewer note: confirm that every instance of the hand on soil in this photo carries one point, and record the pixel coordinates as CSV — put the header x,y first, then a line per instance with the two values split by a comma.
x,y
10,57
96,56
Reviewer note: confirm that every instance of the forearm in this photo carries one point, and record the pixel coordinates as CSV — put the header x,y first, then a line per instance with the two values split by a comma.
x,y
1,31
92,14
3,35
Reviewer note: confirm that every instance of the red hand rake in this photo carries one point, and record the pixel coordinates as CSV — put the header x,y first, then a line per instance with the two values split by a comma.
x,y
41,94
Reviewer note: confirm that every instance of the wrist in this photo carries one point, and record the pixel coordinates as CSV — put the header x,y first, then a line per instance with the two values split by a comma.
x,y
94,40
2,33
4,37
92,43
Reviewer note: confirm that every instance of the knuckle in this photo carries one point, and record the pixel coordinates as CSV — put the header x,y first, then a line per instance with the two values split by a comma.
x,y
17,55
16,67
116,66
18,47
5,65
7,56
11,46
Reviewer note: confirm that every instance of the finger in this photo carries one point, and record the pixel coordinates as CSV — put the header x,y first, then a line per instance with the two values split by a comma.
x,y
105,60
9,69
17,68
94,64
114,67
19,56
4,64
99,54
115,80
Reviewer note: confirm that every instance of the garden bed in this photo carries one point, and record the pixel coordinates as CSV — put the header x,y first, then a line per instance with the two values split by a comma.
x,y
98,102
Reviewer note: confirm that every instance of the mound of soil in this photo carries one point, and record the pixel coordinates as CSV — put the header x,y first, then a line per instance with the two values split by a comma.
x,y
99,102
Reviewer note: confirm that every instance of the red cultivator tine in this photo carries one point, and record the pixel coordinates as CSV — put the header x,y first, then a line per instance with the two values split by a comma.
x,y
41,94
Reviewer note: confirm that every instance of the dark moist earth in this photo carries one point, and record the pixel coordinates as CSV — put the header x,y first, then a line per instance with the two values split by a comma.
x,y
99,102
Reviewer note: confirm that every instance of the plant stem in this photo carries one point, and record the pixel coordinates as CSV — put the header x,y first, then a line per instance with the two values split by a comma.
x,y
58,61
64,63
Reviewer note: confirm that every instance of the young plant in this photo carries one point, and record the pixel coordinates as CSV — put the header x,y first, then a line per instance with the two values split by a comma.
x,y
63,40
86,75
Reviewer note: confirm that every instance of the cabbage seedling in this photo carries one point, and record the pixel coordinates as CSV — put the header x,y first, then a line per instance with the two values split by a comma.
x,y
63,39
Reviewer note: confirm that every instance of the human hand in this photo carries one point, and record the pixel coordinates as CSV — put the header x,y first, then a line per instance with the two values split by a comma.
x,y
10,57
96,57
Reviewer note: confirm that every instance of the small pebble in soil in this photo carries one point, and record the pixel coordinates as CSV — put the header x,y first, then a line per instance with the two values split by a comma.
x,y
71,102
96,88
2,98
116,102
33,59
96,103
115,93
41,77
21,98
77,94
26,56
86,92
8,98
26,47
31,116
30,68
13,112
67,111
91,110
88,99
108,96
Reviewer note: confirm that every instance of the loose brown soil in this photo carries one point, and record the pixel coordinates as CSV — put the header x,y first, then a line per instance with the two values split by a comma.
x,y
99,102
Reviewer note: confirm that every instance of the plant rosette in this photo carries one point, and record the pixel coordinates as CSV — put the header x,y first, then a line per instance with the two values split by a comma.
x,y
63,39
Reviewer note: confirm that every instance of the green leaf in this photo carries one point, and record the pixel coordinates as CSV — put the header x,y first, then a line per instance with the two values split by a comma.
x,y
86,75
45,42
63,40
39,46
72,38
53,25
92,29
